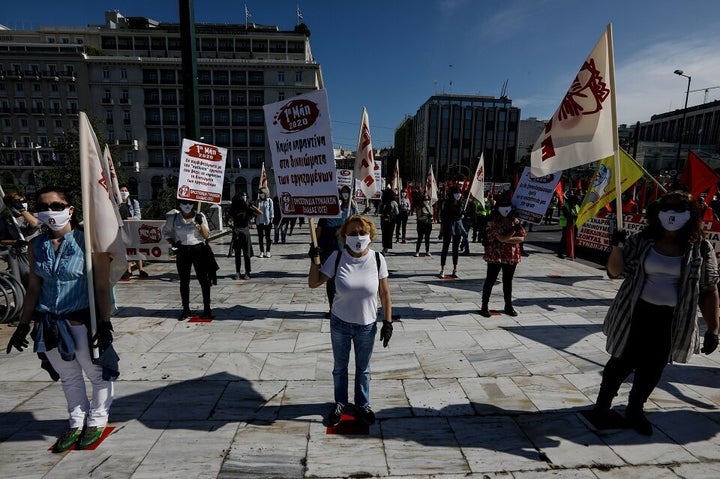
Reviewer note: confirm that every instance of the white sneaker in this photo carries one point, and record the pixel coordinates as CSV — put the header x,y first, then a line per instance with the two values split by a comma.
x,y
417,255
262,254
428,254
267,255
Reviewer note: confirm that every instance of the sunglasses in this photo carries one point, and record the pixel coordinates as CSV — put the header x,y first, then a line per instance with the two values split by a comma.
x,y
680,208
357,233
54,206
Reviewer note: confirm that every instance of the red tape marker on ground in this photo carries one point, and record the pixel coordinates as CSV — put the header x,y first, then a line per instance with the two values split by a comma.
x,y
349,426
106,432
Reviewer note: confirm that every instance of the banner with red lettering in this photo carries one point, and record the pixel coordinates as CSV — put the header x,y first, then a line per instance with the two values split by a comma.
x,y
202,172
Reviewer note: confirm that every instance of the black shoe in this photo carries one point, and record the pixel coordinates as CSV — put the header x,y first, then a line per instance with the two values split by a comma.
x,y
207,314
510,311
184,315
142,273
366,415
125,276
328,315
635,418
333,418
485,312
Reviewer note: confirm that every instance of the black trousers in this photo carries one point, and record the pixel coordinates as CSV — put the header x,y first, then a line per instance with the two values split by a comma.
x,y
264,237
401,226
189,257
243,246
447,238
647,353
423,229
493,270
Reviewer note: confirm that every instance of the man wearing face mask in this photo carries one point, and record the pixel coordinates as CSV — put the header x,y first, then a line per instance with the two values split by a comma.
x,y
187,232
130,209
328,240
669,269
502,253
264,222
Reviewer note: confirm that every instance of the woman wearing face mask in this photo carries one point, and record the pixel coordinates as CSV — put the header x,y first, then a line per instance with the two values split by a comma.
x,y
669,269
359,273
451,229
502,253
57,300
264,222
187,231
404,208
424,214
130,210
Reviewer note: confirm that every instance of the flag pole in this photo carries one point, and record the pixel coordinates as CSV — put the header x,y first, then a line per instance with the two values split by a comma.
x,y
84,180
616,142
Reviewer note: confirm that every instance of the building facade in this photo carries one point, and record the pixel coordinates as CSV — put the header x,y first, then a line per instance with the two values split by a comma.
x,y
452,131
127,75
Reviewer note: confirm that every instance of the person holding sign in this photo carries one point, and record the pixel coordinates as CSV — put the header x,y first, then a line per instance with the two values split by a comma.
x,y
187,232
359,273
57,301
670,270
502,253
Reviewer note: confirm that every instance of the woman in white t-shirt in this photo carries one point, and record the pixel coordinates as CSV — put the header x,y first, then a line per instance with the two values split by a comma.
x,y
360,273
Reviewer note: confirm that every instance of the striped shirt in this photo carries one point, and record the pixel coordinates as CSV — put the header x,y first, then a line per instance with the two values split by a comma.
x,y
64,279
698,272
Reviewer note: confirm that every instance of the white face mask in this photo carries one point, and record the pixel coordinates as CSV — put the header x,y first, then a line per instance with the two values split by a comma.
x,y
55,220
186,208
124,195
457,196
24,205
358,244
427,202
504,210
672,220
345,196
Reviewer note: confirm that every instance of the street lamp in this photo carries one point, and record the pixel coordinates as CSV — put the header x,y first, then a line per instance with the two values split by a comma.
x,y
682,121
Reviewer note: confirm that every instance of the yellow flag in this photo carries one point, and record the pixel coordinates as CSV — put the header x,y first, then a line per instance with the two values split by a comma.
x,y
602,189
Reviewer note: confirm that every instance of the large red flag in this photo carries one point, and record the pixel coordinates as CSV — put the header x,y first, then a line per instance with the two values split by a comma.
x,y
698,176
559,193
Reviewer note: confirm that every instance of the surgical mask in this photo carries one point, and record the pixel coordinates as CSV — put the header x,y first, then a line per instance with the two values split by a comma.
x,y
427,202
55,220
345,196
185,208
124,195
457,196
673,220
504,210
24,205
358,244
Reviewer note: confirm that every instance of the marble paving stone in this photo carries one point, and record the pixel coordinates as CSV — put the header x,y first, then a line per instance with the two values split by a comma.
x,y
544,361
133,398
452,340
273,342
48,404
445,364
495,444
326,454
463,322
566,441
691,429
551,392
431,439
25,454
217,342
437,397
15,393
641,472
289,366
202,445
496,363
310,324
388,399
410,341
697,471
636,449
189,342
142,366
496,396
556,474
313,342
137,341
495,339
386,364
185,400
183,366
267,451
419,325
249,401
306,400
233,365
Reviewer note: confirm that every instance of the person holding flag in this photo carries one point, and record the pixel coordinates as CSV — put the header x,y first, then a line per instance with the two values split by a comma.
x,y
58,303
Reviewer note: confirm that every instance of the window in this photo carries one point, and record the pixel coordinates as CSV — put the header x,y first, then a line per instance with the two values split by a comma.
x,y
58,124
106,73
7,122
281,95
18,87
123,73
281,78
71,88
108,116
36,87
24,122
41,124
298,77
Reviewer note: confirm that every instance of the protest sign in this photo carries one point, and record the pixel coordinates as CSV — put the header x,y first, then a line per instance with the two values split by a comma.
x,y
345,178
144,240
202,172
533,195
302,155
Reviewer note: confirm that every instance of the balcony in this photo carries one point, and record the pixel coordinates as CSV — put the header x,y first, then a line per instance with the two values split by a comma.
x,y
107,101
125,101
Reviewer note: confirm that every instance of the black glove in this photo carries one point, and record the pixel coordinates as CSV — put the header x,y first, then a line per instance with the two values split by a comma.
x,y
15,206
103,334
386,333
313,252
19,338
19,244
176,244
710,342
198,218
618,237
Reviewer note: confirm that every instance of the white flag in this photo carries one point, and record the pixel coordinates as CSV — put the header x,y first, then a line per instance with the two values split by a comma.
x,y
431,187
263,177
364,160
581,130
113,175
477,187
101,218
396,185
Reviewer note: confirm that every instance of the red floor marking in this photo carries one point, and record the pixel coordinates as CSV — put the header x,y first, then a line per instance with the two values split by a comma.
x,y
349,426
198,319
106,432
495,312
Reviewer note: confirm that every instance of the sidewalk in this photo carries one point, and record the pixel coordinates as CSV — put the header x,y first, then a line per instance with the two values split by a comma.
x,y
456,395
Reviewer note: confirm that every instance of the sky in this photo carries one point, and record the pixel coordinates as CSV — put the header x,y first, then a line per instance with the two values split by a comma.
x,y
390,56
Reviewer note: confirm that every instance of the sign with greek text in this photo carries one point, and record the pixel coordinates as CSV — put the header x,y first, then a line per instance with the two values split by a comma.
x,y
533,195
302,154
202,171
344,178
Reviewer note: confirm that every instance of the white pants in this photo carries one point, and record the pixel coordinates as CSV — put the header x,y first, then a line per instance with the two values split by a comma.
x,y
73,383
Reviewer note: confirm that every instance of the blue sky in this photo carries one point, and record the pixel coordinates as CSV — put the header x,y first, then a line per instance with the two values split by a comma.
x,y
392,55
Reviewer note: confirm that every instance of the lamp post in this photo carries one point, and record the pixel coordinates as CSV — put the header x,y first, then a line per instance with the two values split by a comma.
x,y
682,121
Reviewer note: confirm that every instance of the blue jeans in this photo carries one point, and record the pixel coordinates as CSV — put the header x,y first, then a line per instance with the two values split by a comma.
x,y
342,336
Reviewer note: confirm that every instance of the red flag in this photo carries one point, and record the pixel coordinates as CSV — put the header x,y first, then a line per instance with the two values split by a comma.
x,y
263,177
697,175
559,193
408,193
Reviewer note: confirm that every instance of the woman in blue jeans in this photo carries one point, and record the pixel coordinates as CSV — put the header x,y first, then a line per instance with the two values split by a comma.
x,y
360,273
